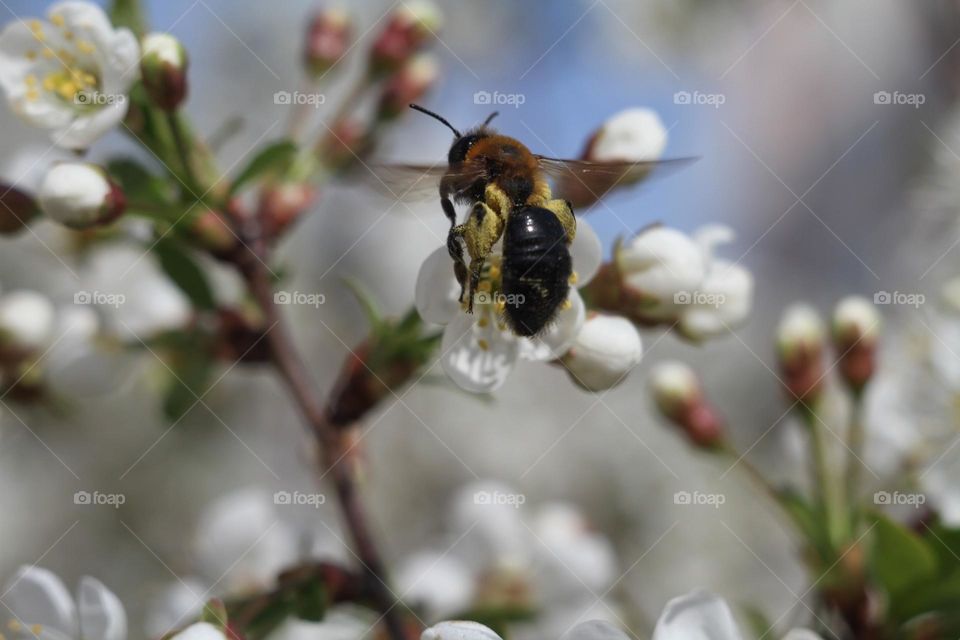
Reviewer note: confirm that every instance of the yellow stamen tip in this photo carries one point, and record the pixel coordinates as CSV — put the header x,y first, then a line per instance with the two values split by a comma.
x,y
31,55
33,95
58,20
483,344
14,625
574,278
567,304
85,46
482,322
36,629
500,306
47,54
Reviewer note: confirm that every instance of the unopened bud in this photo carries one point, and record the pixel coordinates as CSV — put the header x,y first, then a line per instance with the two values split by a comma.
x,y
164,70
856,329
800,344
632,135
282,204
80,196
603,353
679,396
17,209
408,29
328,38
212,231
345,141
408,85
27,320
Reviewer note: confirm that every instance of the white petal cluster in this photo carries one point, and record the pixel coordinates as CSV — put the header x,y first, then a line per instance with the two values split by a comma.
x,y
27,320
79,195
604,351
39,605
478,350
674,277
70,73
635,135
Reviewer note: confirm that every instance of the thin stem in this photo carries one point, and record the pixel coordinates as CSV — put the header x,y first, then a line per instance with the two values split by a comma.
x,y
184,152
825,487
854,470
294,373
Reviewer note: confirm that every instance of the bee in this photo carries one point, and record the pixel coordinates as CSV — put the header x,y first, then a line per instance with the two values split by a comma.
x,y
507,189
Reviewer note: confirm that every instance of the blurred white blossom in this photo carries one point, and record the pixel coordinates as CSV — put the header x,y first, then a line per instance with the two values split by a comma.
x,y
79,195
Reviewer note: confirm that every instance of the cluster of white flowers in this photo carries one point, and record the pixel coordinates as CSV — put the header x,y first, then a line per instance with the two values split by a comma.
x,y
696,616
506,554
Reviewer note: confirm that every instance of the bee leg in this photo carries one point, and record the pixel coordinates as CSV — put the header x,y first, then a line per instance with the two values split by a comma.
x,y
482,230
497,199
455,249
564,212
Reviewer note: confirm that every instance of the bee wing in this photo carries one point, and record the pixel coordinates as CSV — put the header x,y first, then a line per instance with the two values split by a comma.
x,y
583,182
407,182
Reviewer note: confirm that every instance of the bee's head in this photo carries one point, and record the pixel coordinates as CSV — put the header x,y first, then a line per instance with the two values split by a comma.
x,y
461,146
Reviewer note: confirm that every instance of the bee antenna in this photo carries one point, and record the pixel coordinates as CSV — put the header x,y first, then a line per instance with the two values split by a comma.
x,y
417,107
490,118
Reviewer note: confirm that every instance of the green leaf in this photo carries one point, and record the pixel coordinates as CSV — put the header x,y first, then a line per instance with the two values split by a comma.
x,y
900,559
946,544
192,372
810,522
275,158
138,184
185,273
757,620
936,596
129,14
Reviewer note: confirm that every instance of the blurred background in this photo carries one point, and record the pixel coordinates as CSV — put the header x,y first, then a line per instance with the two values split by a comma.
x,y
830,191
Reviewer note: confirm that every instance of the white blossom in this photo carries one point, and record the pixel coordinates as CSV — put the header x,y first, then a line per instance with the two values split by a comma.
x,y
70,73
40,606
800,329
79,195
478,350
606,348
27,320
459,630
673,384
200,631
633,134
856,318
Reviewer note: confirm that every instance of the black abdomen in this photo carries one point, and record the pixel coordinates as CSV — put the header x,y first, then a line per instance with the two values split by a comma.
x,y
536,269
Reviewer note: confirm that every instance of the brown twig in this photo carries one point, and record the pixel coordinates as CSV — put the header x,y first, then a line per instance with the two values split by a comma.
x,y
293,371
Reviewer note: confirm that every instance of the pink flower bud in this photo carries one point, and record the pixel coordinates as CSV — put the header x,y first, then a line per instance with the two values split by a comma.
x,y
328,38
282,204
679,396
407,85
409,28
800,345
164,70
856,328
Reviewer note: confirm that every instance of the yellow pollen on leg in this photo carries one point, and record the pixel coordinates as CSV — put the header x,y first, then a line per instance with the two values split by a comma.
x,y
494,272
500,305
484,287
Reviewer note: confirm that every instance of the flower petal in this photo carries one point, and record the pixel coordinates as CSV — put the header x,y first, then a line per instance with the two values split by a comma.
x,y
101,613
556,339
586,252
436,581
200,631
699,615
37,596
437,289
477,358
726,295
87,129
595,630
459,630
